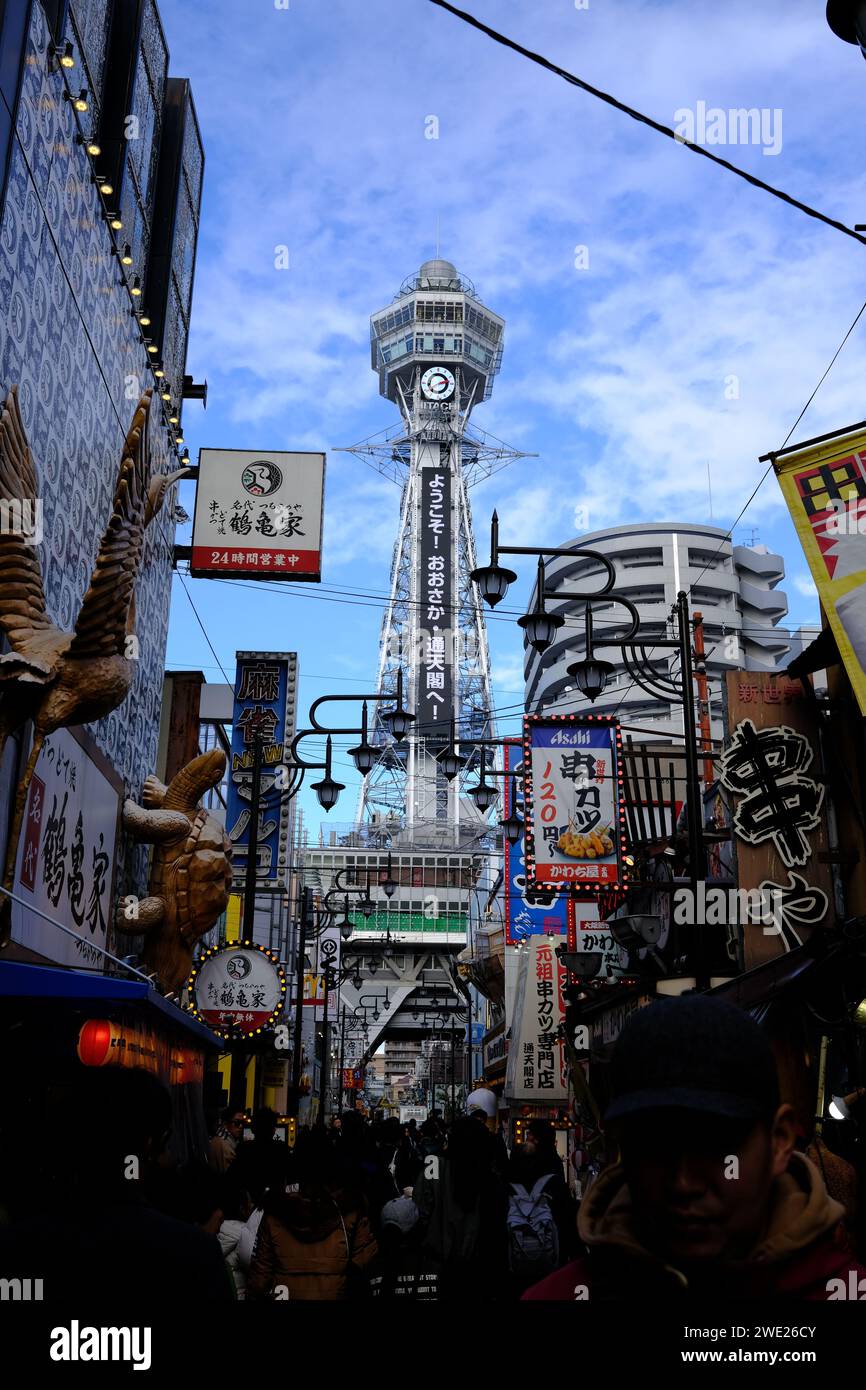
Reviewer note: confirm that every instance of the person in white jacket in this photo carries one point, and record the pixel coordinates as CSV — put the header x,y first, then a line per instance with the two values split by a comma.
x,y
237,1237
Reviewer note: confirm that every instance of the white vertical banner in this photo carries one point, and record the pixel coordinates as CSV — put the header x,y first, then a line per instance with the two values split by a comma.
x,y
536,1065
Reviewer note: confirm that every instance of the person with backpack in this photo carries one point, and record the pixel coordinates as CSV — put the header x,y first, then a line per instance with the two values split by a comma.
x,y
542,1222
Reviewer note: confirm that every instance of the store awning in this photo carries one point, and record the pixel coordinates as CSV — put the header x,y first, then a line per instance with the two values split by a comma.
x,y
78,988
759,986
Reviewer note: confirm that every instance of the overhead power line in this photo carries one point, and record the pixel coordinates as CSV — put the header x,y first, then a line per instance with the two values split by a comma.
x,y
649,121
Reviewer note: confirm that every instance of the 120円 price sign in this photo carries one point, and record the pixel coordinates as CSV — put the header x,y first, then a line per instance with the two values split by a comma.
x,y
574,819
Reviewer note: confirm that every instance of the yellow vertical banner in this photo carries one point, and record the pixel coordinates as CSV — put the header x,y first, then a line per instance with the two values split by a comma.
x,y
824,486
234,909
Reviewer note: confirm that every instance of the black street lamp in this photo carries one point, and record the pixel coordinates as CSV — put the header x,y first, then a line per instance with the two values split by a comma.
x,y
540,626
483,794
398,719
327,790
389,883
512,825
450,759
364,755
590,675
847,19
492,579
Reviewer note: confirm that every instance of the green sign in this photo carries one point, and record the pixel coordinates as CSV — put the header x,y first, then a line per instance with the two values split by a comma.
x,y
399,922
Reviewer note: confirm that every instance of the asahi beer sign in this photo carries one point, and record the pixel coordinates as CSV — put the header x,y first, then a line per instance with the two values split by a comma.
x,y
436,606
573,826
65,865
264,706
258,515
237,989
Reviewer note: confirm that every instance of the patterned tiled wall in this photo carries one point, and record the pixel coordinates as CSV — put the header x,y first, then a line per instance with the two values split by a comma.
x,y
69,339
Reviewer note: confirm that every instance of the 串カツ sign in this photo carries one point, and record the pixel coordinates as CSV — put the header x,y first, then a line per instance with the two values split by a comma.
x,y
258,516
574,822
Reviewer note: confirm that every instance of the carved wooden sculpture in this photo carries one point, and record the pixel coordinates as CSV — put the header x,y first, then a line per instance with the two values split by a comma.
x,y
60,678
191,876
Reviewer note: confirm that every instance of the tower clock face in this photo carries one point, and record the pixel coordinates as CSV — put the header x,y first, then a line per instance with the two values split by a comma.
x,y
437,384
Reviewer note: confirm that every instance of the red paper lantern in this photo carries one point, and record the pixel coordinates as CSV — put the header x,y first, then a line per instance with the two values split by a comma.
x,y
94,1042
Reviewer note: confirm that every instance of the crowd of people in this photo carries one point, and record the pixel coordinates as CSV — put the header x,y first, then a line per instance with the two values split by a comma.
x,y
712,1192
390,1210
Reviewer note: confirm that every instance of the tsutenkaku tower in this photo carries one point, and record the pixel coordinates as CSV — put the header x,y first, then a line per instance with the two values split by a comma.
x,y
436,349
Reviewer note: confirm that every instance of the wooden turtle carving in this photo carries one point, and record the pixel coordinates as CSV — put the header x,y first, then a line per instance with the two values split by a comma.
x,y
190,877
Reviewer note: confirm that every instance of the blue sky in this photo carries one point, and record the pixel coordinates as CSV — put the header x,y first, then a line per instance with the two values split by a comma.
x,y
617,375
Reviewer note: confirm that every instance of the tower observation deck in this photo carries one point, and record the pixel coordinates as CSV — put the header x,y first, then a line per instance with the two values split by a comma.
x,y
436,349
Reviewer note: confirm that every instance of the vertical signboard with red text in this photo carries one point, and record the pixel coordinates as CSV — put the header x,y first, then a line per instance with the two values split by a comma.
x,y
574,825
527,913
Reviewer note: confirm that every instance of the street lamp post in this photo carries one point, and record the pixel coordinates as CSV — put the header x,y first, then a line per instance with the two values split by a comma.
x,y
590,675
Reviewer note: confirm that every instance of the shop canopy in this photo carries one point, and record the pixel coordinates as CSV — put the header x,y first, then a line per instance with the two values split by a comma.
x,y
80,989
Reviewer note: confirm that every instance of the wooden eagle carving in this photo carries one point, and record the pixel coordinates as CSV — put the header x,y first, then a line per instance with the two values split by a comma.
x,y
49,676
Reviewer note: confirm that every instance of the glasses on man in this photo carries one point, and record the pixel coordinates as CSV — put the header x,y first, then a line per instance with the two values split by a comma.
x,y
237,1122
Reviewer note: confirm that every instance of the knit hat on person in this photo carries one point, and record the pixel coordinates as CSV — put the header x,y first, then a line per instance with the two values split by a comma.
x,y
401,1212
693,1053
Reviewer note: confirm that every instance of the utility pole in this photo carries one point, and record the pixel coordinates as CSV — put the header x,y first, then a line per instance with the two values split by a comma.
x,y
697,867
453,1035
703,698
326,1056
305,900
342,1054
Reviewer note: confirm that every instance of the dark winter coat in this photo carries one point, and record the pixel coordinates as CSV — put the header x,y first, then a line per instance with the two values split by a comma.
x,y
802,1253
310,1247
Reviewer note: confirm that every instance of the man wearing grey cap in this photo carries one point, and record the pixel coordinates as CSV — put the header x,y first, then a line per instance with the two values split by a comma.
x,y
710,1197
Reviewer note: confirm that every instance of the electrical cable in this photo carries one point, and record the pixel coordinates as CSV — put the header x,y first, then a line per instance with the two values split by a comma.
x,y
648,121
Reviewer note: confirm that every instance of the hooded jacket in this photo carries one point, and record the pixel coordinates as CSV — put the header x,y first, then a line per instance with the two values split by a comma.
x,y
802,1249
306,1245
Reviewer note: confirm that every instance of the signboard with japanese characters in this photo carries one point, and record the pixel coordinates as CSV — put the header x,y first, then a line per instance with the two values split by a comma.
x,y
436,600
237,990
825,489
258,516
526,913
590,936
265,704
574,824
537,1064
65,865
770,770
327,951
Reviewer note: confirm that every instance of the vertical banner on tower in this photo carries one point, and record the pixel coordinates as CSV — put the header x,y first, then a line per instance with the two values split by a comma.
x,y
265,703
527,913
436,600
574,824
825,489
